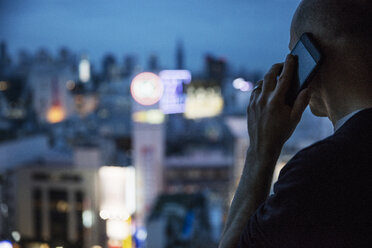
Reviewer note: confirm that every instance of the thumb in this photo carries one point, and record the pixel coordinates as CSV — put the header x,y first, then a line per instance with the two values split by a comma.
x,y
300,105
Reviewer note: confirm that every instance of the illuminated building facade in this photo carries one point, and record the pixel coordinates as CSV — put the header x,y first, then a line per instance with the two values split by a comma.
x,y
54,204
174,96
117,203
148,147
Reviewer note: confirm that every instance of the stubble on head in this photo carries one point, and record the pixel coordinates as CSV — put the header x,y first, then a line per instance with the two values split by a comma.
x,y
341,28
301,24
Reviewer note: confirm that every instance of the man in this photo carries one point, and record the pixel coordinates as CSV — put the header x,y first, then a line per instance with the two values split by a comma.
x,y
323,197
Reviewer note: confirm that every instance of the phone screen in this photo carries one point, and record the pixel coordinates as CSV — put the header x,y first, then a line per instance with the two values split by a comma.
x,y
306,63
308,59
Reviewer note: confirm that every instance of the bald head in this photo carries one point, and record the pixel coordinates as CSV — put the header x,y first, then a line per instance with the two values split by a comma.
x,y
342,30
345,22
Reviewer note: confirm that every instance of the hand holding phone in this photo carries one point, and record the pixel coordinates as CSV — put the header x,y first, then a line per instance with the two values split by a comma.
x,y
308,61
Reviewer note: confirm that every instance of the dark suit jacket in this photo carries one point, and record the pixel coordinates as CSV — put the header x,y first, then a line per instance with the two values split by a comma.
x,y
323,197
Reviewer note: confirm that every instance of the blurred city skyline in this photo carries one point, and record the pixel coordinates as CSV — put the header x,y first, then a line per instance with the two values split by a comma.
x,y
250,35
123,124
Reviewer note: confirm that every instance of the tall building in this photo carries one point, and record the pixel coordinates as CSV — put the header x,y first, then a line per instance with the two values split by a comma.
x,y
148,137
49,81
112,72
148,147
216,69
129,65
4,58
153,63
180,56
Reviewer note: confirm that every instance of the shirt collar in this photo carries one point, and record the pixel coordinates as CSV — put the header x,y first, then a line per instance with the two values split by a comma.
x,y
344,119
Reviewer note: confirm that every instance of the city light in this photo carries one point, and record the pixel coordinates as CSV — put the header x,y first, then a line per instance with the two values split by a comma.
x,y
84,70
70,85
3,85
153,116
117,229
62,206
241,84
16,236
141,234
5,244
203,102
3,209
173,99
104,214
88,217
56,114
118,192
146,88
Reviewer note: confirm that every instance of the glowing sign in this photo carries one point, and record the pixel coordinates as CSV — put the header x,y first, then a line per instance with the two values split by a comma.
x,y
173,100
146,88
118,192
203,102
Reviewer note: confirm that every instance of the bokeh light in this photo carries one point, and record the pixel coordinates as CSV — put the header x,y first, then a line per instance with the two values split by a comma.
x,y
243,85
3,85
56,114
146,88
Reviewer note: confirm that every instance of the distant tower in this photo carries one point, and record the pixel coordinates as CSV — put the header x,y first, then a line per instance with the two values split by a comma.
x,y
108,64
4,58
179,56
215,68
2,51
153,63
129,65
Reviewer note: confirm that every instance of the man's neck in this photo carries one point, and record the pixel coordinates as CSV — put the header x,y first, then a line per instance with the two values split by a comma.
x,y
339,114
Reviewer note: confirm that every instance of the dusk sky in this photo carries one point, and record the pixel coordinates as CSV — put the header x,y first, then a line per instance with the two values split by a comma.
x,y
248,33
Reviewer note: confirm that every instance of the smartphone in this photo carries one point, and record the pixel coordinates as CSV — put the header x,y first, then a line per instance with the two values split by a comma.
x,y
308,60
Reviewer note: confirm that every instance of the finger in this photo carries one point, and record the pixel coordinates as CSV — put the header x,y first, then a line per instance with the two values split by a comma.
x,y
269,83
300,104
256,91
253,99
254,95
286,77
259,84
